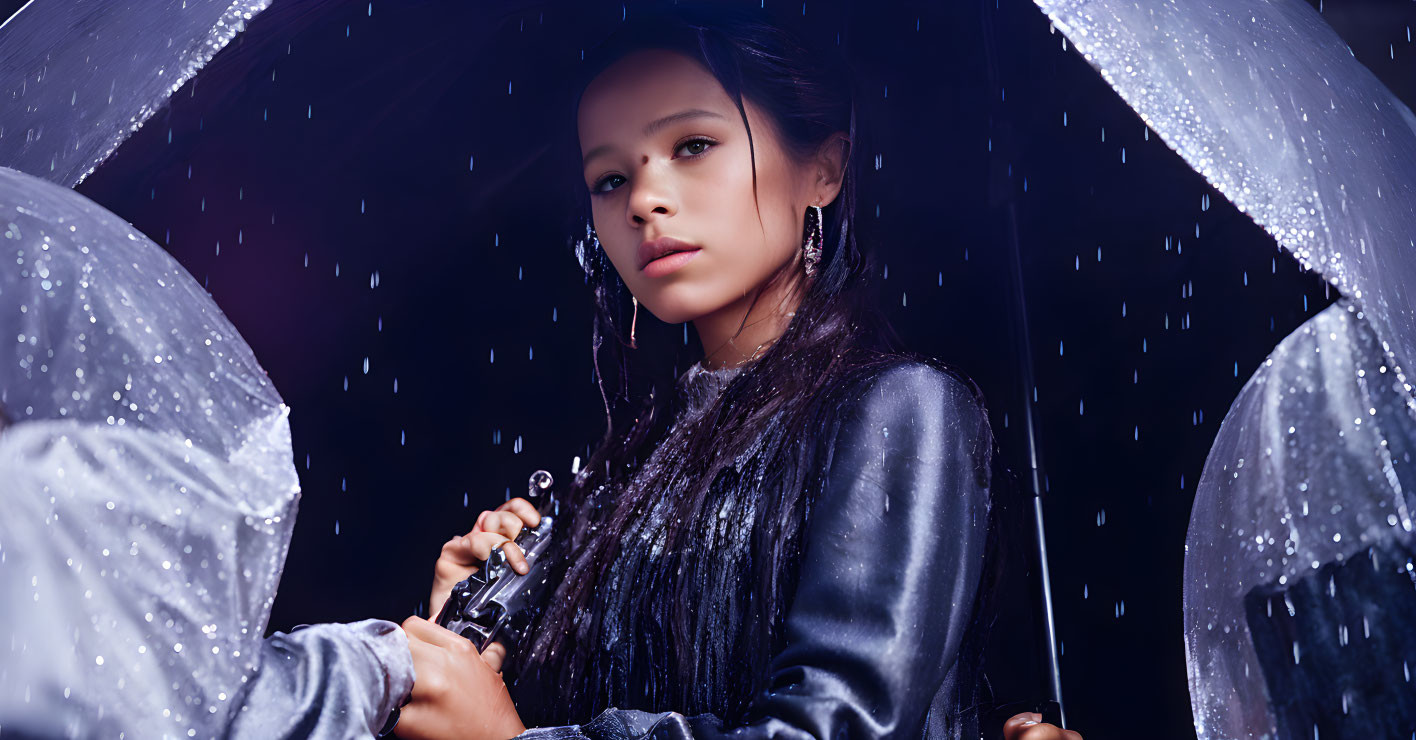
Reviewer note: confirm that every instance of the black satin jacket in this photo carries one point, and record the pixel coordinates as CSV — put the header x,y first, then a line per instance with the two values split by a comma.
x,y
893,559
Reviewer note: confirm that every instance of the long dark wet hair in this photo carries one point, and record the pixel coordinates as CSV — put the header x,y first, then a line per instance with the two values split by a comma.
x,y
720,630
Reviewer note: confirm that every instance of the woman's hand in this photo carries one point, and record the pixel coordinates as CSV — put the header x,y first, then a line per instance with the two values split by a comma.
x,y
461,556
1025,726
456,694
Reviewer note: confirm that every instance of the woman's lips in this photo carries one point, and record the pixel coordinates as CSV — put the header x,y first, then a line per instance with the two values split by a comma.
x,y
670,262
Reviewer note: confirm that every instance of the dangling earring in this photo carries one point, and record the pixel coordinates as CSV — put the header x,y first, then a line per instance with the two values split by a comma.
x,y
811,246
634,319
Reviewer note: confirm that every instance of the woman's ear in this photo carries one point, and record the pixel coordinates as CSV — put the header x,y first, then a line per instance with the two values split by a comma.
x,y
830,165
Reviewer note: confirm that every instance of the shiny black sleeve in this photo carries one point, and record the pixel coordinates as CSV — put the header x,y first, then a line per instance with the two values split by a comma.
x,y
893,557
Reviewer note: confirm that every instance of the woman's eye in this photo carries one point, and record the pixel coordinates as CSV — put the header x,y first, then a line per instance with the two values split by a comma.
x,y
598,188
705,143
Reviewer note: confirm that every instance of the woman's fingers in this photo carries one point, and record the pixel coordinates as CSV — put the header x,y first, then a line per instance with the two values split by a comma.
x,y
524,510
1014,727
461,556
495,655
484,542
421,630
503,523
456,693
1029,726
516,558
458,551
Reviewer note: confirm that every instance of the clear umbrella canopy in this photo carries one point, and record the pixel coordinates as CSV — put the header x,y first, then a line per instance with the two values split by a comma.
x,y
1298,585
149,483
78,78
1266,102
149,480
1308,482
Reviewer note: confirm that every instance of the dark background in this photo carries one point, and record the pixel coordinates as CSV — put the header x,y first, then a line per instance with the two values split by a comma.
x,y
355,185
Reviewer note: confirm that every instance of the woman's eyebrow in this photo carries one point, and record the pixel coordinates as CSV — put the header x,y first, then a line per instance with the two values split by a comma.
x,y
654,126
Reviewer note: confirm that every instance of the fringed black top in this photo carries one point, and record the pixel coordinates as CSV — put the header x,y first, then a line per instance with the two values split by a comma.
x,y
880,639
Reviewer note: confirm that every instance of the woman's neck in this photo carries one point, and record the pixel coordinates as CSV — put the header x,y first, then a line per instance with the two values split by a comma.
x,y
741,331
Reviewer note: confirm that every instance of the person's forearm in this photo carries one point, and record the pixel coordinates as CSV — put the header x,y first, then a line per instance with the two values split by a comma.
x,y
326,681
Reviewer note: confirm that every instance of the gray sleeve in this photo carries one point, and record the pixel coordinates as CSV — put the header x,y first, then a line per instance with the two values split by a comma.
x,y
326,681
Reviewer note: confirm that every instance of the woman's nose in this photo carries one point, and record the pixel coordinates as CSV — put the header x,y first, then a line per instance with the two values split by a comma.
x,y
649,195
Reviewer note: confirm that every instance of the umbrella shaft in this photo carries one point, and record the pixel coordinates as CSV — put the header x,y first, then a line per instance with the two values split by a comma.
x,y
1035,468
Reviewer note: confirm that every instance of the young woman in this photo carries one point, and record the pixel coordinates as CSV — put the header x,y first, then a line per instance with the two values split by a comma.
x,y
793,537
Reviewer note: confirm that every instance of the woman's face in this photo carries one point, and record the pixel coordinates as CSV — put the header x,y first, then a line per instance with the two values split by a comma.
x,y
666,155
